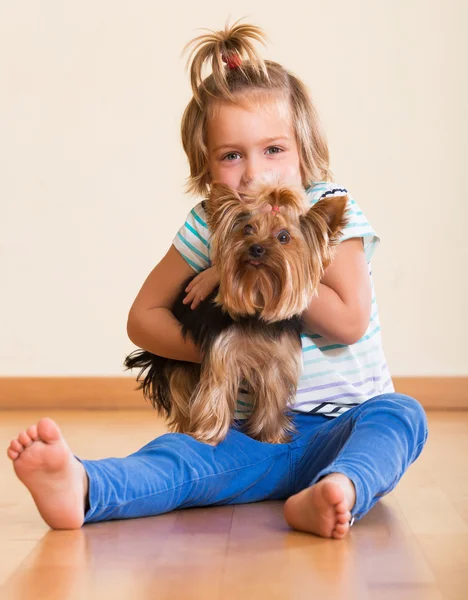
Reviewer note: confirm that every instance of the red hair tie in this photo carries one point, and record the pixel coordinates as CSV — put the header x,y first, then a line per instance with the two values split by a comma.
x,y
268,209
232,60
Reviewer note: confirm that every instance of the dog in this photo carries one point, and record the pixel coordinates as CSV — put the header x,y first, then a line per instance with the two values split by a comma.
x,y
271,250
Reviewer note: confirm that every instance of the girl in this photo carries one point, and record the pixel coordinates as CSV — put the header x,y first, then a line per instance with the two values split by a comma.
x,y
355,436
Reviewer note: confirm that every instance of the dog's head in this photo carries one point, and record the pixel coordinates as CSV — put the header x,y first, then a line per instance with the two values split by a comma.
x,y
270,247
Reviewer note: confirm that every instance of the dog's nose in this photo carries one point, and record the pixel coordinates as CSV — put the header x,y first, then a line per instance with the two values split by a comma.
x,y
256,250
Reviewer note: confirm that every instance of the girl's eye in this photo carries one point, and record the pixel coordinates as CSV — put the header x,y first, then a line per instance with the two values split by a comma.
x,y
277,150
226,157
249,230
283,237
234,155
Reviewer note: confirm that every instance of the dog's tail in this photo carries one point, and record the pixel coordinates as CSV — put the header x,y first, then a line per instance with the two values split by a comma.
x,y
155,384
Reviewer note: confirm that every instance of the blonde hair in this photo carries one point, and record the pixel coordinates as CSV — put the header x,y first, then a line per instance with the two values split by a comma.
x,y
251,76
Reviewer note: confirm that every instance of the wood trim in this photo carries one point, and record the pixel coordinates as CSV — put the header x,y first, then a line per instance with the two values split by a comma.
x,y
435,393
114,393
90,393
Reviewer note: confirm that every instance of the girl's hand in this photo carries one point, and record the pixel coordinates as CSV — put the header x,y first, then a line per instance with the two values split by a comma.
x,y
201,286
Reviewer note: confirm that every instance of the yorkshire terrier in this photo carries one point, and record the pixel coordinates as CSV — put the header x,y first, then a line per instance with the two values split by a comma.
x,y
271,250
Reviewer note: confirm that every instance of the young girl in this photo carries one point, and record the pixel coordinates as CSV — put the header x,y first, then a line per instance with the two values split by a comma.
x,y
355,436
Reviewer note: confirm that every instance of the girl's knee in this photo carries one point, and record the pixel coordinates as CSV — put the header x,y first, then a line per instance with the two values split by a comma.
x,y
413,406
405,404
405,408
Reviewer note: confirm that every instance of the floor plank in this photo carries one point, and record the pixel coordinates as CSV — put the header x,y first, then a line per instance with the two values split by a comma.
x,y
412,545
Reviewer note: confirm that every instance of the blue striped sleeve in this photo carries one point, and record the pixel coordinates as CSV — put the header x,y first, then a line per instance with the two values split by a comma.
x,y
193,240
359,226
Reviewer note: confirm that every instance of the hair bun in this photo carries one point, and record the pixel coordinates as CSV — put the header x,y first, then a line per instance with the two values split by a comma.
x,y
231,47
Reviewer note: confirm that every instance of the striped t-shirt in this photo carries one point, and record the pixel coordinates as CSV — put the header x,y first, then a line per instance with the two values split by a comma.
x,y
334,377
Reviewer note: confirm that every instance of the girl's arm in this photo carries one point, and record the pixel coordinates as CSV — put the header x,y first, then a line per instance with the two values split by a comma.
x,y
151,324
341,310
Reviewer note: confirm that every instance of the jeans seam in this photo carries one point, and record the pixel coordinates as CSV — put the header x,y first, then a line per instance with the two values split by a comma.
x,y
293,462
420,447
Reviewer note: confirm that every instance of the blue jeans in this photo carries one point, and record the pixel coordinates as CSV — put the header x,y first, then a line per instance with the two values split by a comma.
x,y
373,444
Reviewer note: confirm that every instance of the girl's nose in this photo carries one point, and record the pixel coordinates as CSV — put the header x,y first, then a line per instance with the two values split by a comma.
x,y
250,174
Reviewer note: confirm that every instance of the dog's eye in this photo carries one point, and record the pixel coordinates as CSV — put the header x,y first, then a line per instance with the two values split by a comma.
x,y
283,237
249,230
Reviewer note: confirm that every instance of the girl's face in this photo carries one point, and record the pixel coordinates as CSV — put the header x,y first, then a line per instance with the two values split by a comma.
x,y
247,141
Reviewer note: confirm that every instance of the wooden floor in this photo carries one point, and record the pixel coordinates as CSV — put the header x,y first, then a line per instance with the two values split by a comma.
x,y
412,545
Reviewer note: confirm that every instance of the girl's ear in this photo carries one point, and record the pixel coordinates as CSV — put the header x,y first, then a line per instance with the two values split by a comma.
x,y
323,225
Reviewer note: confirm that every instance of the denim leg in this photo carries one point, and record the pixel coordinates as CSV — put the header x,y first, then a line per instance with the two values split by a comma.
x,y
372,444
176,471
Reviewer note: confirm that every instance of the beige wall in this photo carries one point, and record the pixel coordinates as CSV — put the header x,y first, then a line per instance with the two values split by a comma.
x,y
92,172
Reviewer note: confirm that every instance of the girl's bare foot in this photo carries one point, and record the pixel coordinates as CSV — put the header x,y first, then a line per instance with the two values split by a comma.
x,y
323,509
56,479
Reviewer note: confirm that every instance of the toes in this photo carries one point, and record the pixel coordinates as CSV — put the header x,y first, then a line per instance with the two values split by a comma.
x,y
12,454
343,517
341,507
16,446
24,439
48,430
340,530
32,432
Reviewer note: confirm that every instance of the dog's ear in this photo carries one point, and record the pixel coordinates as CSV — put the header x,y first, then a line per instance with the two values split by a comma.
x,y
324,222
223,208
218,195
